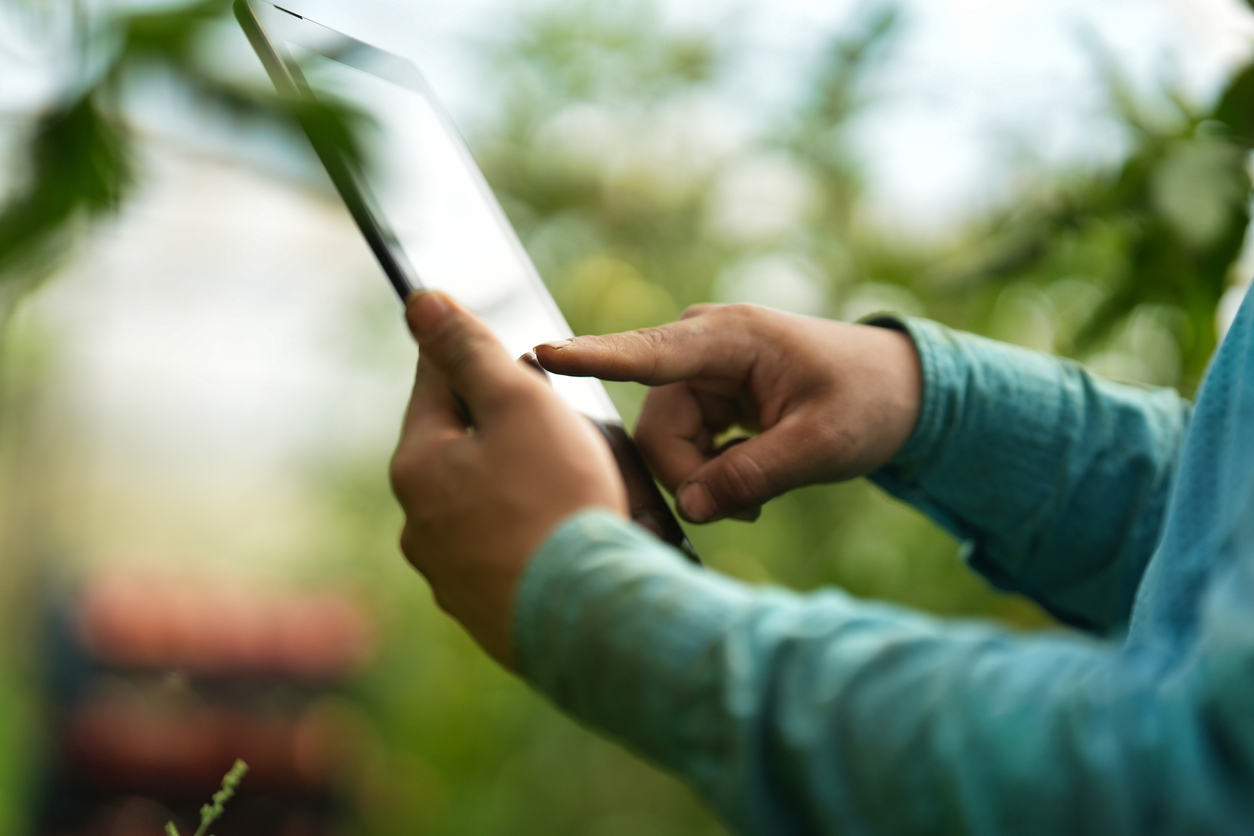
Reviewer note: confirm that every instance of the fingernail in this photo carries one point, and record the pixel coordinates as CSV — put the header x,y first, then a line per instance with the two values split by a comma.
x,y
696,503
558,344
427,311
529,360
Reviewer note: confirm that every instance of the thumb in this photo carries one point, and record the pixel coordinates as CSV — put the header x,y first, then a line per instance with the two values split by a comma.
x,y
746,475
474,363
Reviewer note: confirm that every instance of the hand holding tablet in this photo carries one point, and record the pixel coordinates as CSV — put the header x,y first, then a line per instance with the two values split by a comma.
x,y
479,504
428,215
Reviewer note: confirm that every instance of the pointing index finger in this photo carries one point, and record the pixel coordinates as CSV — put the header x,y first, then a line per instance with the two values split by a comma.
x,y
652,356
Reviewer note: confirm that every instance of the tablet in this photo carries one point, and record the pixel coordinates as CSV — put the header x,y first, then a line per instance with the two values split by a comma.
x,y
426,211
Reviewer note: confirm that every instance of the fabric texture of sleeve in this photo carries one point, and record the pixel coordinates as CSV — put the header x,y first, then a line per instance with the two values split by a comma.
x,y
822,714
1055,480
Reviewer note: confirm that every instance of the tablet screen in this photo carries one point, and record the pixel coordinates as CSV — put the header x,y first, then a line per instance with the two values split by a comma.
x,y
428,214
430,193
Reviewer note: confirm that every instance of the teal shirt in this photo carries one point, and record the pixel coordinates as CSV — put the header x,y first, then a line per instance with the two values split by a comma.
x,y
1124,511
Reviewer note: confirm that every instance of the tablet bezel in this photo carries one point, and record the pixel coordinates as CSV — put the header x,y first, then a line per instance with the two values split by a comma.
x,y
344,174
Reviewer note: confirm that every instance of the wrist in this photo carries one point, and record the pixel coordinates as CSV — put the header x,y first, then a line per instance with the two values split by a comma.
x,y
896,376
910,409
945,368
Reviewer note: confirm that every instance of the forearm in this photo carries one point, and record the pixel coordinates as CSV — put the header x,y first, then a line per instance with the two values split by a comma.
x,y
1055,478
821,714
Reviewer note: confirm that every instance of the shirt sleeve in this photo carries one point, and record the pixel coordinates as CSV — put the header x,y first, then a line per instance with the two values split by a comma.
x,y
818,714
1055,480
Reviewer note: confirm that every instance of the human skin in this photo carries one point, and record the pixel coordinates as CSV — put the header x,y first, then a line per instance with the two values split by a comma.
x,y
479,503
827,401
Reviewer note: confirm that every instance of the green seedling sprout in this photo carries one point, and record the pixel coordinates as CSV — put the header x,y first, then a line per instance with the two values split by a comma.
x,y
210,813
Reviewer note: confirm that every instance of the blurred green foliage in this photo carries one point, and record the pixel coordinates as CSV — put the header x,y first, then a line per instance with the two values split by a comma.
x,y
79,157
633,209
1163,230
629,224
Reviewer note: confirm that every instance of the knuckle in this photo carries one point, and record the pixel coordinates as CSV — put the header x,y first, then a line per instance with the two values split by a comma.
x,y
460,348
517,392
655,337
411,547
445,333
655,342
756,322
411,472
414,549
400,473
700,309
459,343
826,433
742,312
741,481
832,437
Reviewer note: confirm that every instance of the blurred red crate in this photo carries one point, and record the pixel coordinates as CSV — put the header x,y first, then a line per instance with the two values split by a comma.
x,y
156,687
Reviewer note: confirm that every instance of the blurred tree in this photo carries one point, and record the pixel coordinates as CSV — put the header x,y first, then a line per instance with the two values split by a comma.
x,y
1163,229
78,159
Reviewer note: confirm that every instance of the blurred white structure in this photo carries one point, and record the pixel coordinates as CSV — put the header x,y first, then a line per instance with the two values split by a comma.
x,y
226,331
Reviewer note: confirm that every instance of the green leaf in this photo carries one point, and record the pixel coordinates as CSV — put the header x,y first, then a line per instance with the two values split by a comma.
x,y
1199,187
169,35
79,165
1236,106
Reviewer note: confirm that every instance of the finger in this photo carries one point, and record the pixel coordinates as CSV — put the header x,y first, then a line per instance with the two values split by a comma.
x,y
473,362
672,434
700,309
751,473
678,425
432,411
529,361
433,417
655,356
753,512
675,435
